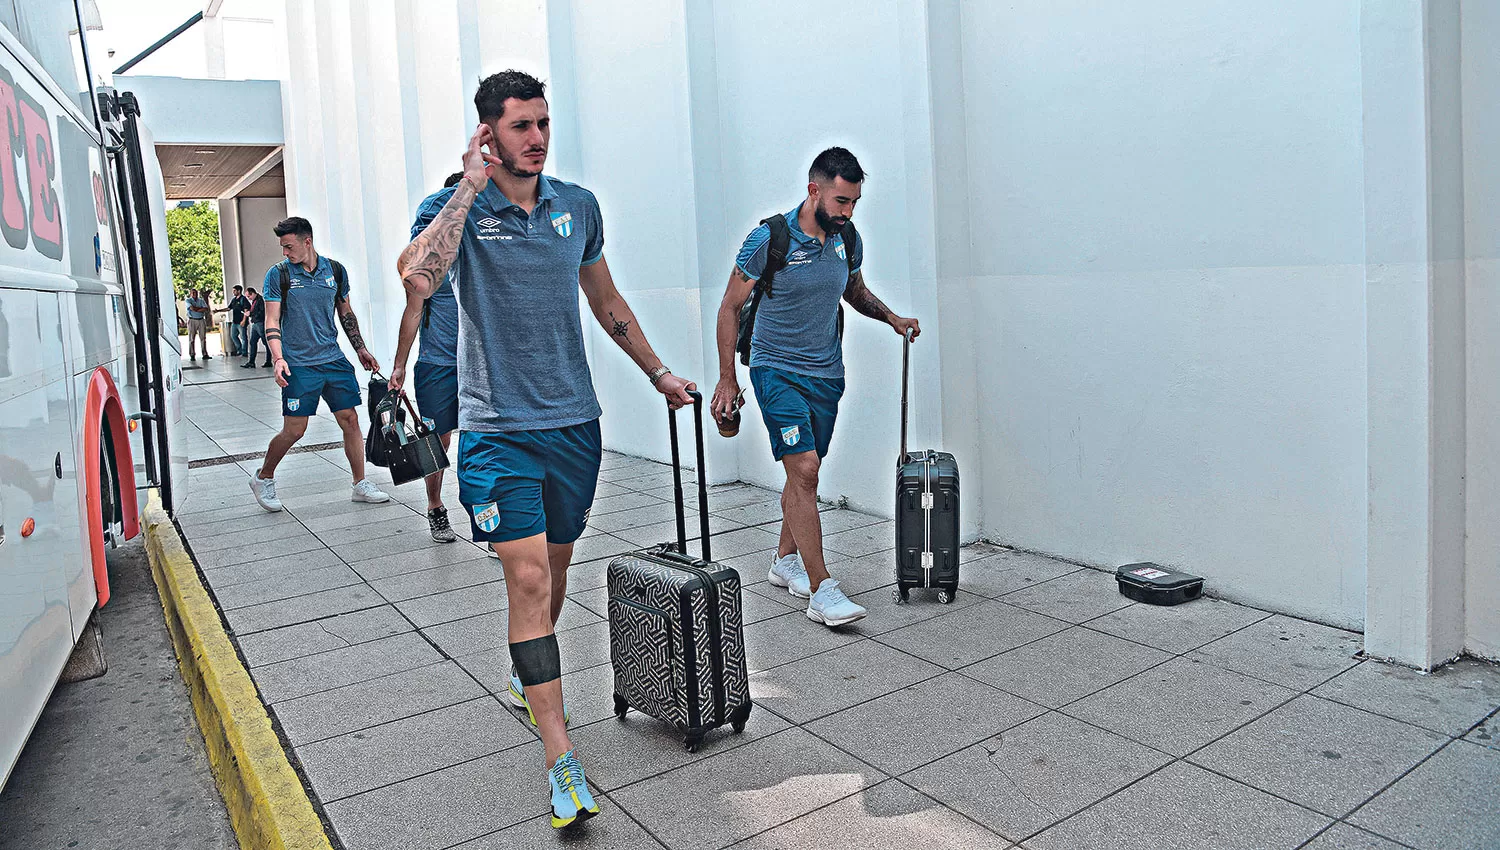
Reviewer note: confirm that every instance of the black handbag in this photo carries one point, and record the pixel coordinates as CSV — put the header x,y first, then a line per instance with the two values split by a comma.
x,y
409,449
374,394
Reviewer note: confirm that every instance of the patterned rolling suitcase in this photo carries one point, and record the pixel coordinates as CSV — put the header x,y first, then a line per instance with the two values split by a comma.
x,y
926,512
675,638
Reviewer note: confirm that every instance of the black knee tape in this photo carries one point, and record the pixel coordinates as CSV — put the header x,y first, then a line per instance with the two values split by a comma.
x,y
536,660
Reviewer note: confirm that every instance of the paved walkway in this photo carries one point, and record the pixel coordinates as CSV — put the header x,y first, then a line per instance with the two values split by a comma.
x,y
1041,707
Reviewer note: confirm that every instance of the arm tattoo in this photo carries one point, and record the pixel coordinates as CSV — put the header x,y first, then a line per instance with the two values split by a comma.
x,y
351,329
739,273
425,261
273,333
862,299
620,328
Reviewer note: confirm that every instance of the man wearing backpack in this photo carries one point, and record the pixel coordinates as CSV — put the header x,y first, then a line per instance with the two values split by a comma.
x,y
435,382
793,270
302,294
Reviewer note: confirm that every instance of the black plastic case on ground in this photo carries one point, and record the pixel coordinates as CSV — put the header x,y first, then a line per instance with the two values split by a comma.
x,y
1156,585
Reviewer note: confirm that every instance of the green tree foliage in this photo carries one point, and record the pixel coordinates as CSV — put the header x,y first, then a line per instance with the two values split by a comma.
x,y
193,239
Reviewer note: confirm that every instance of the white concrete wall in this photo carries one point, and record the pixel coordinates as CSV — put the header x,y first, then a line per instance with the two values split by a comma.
x,y
259,249
1166,289
1481,138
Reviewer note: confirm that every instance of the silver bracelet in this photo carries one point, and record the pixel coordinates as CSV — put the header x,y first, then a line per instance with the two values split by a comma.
x,y
655,375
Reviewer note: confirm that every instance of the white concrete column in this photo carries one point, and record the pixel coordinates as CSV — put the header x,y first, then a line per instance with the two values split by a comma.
x,y
1415,331
1480,53
229,245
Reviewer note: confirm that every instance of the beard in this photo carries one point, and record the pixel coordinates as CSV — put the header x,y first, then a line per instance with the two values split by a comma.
x,y
828,223
512,164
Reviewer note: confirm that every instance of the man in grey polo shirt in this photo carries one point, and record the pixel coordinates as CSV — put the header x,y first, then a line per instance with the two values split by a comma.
x,y
529,444
797,361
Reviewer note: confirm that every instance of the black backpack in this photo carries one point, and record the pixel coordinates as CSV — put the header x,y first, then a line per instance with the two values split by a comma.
x,y
340,289
781,241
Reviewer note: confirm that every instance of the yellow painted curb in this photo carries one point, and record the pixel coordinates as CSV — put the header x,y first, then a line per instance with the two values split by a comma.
x,y
268,806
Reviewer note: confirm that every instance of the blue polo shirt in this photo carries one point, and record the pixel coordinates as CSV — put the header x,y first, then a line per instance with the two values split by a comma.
x,y
439,329
521,361
309,330
796,329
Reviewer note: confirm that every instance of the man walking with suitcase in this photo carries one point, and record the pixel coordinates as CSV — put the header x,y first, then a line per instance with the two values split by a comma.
x,y
529,445
797,267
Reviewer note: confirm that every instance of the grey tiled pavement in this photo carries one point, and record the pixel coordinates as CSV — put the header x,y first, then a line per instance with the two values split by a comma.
x,y
1040,710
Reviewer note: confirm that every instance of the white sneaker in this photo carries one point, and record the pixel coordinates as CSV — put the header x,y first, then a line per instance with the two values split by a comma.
x,y
265,492
831,607
789,573
364,491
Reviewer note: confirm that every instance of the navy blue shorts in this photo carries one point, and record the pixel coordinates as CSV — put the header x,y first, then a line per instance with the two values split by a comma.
x,y
799,410
334,382
522,483
437,395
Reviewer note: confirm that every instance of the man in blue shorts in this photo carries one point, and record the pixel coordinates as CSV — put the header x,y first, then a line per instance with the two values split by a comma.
x,y
529,446
797,361
302,295
435,383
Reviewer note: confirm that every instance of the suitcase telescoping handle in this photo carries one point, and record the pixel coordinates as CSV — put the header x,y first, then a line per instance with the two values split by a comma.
x,y
905,385
702,477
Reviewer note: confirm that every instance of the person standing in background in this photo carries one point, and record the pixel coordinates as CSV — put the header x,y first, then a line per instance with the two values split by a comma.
x,y
236,309
255,328
197,311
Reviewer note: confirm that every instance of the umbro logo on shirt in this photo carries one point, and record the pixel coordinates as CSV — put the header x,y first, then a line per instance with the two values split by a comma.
x,y
489,222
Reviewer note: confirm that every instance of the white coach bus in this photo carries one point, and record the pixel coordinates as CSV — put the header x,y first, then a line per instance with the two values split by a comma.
x,y
90,385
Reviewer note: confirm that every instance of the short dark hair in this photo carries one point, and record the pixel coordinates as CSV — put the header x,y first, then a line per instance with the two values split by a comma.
x,y
495,89
836,162
294,226
453,179
239,288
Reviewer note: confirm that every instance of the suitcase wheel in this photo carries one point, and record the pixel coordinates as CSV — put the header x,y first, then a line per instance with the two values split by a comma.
x,y
740,717
692,742
621,706
945,596
901,595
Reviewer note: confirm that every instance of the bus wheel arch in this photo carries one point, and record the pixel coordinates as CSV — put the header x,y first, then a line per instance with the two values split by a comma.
x,y
104,430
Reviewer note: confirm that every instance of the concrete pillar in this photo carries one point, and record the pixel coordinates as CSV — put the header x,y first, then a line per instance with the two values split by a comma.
x,y
1415,331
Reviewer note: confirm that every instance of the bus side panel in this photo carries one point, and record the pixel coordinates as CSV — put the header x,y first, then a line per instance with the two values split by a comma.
x,y
36,428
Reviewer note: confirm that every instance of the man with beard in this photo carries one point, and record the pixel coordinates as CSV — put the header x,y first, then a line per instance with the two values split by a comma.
x,y
797,362
529,447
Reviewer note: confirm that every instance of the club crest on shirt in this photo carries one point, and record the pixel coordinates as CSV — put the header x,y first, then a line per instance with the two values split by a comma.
x,y
839,249
563,223
487,516
791,435
293,403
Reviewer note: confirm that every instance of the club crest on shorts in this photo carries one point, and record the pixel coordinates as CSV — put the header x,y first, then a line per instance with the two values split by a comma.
x,y
293,403
791,435
431,425
487,516
563,223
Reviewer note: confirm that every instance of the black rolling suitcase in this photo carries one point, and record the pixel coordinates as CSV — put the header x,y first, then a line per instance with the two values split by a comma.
x,y
926,512
675,637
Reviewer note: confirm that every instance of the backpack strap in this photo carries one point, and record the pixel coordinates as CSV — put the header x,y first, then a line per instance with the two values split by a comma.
x,y
849,236
779,244
341,282
426,312
286,290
